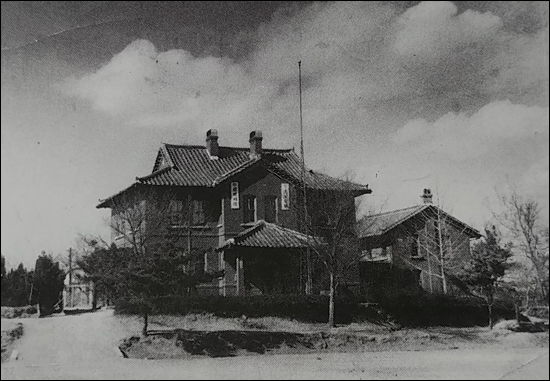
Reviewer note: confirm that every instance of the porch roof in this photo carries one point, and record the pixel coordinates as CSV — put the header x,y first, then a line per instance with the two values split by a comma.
x,y
268,235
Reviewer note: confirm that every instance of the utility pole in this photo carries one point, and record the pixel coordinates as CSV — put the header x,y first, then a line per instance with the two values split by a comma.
x,y
308,259
190,259
71,275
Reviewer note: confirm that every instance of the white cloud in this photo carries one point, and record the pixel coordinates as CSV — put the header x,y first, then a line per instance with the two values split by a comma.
x,y
462,137
354,56
435,28
409,93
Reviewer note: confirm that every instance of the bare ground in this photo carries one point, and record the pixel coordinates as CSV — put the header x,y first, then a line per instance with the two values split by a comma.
x,y
207,335
83,347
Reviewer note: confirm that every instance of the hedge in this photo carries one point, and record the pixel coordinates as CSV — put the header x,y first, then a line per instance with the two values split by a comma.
x,y
419,310
299,307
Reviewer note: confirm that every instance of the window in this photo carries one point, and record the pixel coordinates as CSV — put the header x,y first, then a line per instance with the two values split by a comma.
x,y
415,253
198,217
176,213
366,254
447,245
249,209
270,208
234,195
179,215
381,253
119,226
285,196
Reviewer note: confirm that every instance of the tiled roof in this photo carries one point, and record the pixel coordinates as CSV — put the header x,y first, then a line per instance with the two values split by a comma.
x,y
192,166
267,235
378,224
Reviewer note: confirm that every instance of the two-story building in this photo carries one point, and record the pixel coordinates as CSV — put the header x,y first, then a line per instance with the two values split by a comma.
x,y
427,243
242,209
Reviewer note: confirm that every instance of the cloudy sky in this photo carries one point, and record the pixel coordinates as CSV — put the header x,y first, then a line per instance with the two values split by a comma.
x,y
452,96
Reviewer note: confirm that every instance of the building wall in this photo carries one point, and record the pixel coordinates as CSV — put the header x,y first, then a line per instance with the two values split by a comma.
x,y
223,223
257,182
399,245
260,183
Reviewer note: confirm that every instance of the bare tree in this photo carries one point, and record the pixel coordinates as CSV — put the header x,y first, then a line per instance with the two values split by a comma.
x,y
152,255
148,220
333,218
334,221
529,233
441,240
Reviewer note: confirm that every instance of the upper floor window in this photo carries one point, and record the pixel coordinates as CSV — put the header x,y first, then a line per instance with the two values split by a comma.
x,y
249,209
415,250
183,212
366,254
176,213
198,216
378,252
119,226
270,208
285,196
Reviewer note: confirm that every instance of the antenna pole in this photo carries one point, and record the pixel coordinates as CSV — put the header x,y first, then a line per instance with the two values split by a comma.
x,y
308,260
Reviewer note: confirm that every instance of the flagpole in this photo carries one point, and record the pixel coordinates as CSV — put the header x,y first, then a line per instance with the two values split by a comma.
x,y
308,261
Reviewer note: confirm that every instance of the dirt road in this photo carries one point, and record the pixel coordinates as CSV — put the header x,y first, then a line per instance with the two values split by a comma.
x,y
83,347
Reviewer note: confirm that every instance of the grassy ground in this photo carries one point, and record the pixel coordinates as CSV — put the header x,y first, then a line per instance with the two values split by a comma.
x,y
11,328
11,331
199,335
18,312
210,322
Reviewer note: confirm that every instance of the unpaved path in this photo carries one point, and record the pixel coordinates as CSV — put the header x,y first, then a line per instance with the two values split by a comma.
x,y
83,347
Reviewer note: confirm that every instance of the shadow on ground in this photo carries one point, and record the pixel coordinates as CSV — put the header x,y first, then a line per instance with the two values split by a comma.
x,y
216,344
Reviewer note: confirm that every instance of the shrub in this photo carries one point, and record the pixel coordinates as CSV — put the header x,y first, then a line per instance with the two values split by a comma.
x,y
48,281
16,312
299,307
399,295
420,309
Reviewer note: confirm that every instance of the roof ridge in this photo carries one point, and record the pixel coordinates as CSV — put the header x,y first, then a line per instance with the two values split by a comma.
x,y
295,232
235,170
157,172
251,230
198,146
416,210
398,210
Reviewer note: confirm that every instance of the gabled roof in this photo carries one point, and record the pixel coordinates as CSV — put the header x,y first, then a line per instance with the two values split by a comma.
x,y
379,224
268,235
192,166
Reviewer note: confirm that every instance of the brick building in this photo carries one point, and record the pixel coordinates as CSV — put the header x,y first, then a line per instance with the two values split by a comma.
x,y
241,209
426,242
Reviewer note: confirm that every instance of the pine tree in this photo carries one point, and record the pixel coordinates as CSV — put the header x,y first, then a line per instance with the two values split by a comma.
x,y
48,283
488,264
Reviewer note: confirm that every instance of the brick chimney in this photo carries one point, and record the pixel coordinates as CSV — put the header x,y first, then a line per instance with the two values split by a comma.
x,y
427,196
212,143
255,143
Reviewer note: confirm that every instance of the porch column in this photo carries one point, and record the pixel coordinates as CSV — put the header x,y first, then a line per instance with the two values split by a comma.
x,y
239,271
221,266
